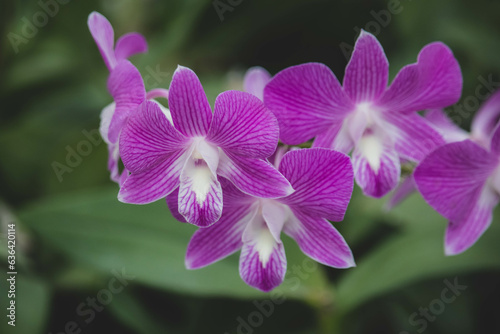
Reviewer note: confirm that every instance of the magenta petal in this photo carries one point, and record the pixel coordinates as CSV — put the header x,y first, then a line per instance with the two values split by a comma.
x,y
254,176
148,138
495,141
435,81
336,137
155,183
376,166
445,126
414,136
255,81
103,35
243,125
263,275
127,88
173,205
214,243
367,73
307,99
461,235
188,103
200,194
486,119
319,240
129,45
322,179
451,178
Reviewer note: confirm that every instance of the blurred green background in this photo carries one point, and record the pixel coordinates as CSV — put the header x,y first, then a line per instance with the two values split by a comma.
x,y
73,236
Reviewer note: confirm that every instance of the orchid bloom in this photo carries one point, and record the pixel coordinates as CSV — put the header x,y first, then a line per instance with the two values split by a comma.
x,y
255,81
323,183
192,151
461,181
378,123
126,79
483,124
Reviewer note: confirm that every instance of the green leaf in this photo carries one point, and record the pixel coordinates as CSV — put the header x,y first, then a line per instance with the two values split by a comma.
x,y
95,228
414,255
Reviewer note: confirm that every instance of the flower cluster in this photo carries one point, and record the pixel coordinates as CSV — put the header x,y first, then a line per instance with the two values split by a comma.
x,y
224,170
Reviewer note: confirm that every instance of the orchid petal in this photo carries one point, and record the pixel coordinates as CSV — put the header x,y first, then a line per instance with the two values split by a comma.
x,y
106,116
255,81
200,194
451,178
445,126
376,165
319,240
262,259
322,179
172,200
435,81
307,99
148,138
404,189
154,183
127,88
188,103
367,73
129,45
461,235
414,136
103,35
254,176
336,138
242,125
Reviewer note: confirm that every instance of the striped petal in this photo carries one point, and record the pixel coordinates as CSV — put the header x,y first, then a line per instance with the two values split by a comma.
x,y
104,36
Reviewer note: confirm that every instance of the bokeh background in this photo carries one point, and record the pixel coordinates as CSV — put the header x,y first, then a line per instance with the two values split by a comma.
x,y
73,234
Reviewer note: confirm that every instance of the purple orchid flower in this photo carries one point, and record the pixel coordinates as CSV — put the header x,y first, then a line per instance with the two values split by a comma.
x,y
483,124
323,183
461,180
125,79
192,151
255,81
380,123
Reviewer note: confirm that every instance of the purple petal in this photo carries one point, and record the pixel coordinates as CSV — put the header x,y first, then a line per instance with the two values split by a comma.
x,y
214,243
127,88
461,235
336,137
404,189
255,81
322,179
376,165
435,81
495,141
148,138
451,178
262,259
367,73
242,125
445,126
188,103
413,135
173,204
200,194
113,162
155,183
103,35
319,240
129,45
486,118
156,93
307,99
254,176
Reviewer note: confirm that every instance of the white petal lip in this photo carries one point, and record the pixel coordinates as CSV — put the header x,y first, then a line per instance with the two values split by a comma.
x,y
371,147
